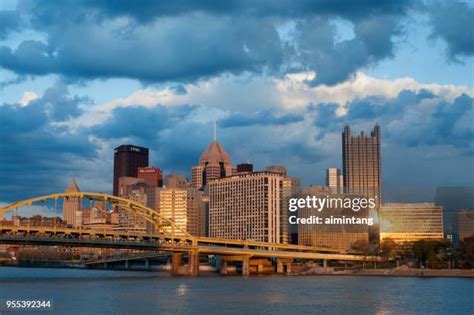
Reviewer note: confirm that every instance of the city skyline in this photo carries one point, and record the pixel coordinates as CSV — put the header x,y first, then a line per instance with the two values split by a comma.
x,y
280,83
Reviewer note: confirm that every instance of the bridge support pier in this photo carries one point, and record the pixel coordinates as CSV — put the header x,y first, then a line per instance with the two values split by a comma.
x,y
245,266
280,268
147,264
223,267
281,263
176,262
325,263
194,263
127,264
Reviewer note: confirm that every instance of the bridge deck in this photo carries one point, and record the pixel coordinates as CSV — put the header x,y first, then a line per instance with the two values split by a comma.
x,y
50,236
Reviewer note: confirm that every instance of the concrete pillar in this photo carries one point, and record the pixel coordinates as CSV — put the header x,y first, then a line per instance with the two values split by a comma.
x,y
288,267
246,266
176,261
127,264
375,265
325,263
194,264
223,267
147,264
105,265
279,266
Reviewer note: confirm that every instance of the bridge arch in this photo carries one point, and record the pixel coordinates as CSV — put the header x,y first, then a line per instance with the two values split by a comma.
x,y
137,209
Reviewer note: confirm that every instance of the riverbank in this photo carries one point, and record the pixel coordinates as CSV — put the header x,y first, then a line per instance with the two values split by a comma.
x,y
394,272
316,271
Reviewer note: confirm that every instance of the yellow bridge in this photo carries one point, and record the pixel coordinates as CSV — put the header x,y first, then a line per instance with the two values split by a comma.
x,y
166,239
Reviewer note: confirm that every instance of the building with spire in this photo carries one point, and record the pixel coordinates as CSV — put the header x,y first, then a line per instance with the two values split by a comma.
x,y
214,163
72,204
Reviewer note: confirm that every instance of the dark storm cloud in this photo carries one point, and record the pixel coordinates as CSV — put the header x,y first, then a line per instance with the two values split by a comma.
x,y
141,122
453,21
189,40
34,152
46,12
263,118
405,119
337,61
184,48
9,21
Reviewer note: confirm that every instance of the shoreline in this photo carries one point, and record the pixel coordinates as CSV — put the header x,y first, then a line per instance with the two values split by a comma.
x,y
396,272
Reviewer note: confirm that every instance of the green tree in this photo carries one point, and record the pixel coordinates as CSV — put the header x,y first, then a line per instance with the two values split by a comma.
x,y
388,247
466,252
429,252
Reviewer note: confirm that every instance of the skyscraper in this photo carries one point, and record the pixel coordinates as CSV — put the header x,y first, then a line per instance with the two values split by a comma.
x,y
361,162
184,206
71,204
247,207
127,160
334,179
214,163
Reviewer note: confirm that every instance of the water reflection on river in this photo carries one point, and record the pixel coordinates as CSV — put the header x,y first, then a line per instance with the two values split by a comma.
x,y
122,292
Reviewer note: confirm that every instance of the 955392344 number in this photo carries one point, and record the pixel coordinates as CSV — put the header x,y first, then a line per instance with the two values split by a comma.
x,y
17,304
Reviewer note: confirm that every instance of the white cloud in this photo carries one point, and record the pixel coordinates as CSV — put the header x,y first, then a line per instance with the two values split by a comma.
x,y
249,94
27,97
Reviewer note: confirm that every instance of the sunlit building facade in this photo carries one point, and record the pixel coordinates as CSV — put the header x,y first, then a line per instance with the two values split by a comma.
x,y
214,163
247,207
71,204
334,180
184,206
409,222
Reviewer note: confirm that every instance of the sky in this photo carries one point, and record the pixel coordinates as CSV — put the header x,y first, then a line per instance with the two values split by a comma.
x,y
280,78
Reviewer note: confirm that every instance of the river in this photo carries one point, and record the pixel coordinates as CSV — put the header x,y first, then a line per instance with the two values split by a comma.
x,y
74,291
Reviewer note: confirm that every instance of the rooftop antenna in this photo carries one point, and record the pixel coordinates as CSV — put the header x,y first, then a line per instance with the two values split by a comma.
x,y
215,131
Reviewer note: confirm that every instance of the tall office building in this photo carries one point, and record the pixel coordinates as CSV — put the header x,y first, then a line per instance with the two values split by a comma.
x,y
127,160
465,224
183,205
153,176
246,207
361,162
214,163
334,180
409,222
71,204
